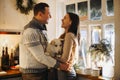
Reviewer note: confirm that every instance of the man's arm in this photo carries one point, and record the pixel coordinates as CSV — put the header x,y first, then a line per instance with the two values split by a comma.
x,y
32,42
38,52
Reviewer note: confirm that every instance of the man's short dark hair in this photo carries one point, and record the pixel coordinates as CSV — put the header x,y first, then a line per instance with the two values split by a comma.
x,y
40,7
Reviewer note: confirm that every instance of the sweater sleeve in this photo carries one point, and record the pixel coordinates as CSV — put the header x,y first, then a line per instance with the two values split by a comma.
x,y
67,49
32,42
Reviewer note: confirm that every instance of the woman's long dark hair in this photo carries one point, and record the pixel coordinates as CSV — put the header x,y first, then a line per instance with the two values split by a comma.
x,y
74,26
75,23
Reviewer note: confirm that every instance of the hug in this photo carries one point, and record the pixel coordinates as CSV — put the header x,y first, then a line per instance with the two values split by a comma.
x,y
38,58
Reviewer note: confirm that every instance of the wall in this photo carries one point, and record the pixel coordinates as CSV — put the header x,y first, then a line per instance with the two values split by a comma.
x,y
10,18
117,39
60,12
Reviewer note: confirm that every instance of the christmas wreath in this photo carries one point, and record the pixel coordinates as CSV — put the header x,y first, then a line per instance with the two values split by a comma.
x,y
25,5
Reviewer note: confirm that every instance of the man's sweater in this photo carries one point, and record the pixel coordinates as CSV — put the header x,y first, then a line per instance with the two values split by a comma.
x,y
32,49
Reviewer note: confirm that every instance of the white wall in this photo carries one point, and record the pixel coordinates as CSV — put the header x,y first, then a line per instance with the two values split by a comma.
x,y
10,18
117,39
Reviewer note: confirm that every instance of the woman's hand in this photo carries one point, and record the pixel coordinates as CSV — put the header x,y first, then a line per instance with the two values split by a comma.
x,y
65,66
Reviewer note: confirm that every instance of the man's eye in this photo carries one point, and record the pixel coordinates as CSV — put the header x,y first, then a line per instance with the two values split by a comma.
x,y
55,45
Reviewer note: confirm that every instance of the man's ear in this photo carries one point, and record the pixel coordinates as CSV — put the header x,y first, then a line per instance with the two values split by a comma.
x,y
40,13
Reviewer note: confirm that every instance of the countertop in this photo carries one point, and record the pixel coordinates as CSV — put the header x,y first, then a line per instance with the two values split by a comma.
x,y
89,77
10,74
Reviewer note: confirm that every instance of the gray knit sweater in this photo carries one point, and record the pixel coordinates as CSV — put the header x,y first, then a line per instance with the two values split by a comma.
x,y
32,49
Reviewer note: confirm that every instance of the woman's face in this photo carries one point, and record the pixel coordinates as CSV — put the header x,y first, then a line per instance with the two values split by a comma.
x,y
66,22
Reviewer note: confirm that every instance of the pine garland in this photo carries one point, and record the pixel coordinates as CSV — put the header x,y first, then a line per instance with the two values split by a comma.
x,y
25,9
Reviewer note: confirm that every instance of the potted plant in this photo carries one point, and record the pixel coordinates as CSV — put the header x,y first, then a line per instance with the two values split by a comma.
x,y
100,54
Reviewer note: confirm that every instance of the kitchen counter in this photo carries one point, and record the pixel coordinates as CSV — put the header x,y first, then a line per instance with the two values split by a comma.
x,y
16,75
10,74
88,77
84,76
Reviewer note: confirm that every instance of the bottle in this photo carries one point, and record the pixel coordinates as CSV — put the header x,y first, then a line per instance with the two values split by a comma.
x,y
3,59
16,60
11,58
7,56
16,56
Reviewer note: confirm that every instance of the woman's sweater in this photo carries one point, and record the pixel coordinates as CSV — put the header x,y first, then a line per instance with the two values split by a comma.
x,y
70,49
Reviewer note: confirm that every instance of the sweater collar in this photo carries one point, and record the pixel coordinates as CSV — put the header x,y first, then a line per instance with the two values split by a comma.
x,y
34,23
39,25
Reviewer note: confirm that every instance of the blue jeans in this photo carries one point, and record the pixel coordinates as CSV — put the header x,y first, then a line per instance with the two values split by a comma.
x,y
66,75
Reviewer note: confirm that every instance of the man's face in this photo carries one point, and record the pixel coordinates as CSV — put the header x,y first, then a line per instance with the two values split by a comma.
x,y
45,16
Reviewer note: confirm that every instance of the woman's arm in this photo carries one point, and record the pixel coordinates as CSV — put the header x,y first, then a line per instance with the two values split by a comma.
x,y
67,48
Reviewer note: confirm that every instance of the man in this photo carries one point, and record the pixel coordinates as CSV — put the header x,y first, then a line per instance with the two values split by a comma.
x,y
33,61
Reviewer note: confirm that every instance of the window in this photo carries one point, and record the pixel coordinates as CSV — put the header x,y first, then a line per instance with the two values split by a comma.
x,y
96,23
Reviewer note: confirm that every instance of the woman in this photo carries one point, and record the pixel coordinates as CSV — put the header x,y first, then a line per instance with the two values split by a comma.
x,y
70,23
